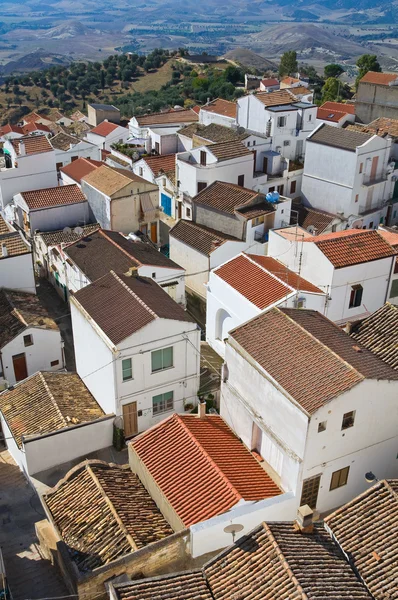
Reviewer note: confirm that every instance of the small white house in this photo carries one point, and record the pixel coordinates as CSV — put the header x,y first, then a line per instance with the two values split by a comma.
x,y
161,170
318,409
218,111
69,148
336,114
140,126
245,286
137,350
352,267
16,264
50,209
10,132
106,134
74,172
29,340
29,165
61,424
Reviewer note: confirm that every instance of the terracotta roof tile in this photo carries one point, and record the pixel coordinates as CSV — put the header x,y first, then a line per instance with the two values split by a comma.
x,y
105,128
103,512
110,180
320,361
4,226
339,106
352,247
379,334
309,217
366,530
282,272
336,137
53,238
333,116
166,163
168,118
226,197
269,82
202,239
201,467
177,586
278,98
6,129
15,244
47,402
63,141
383,126
121,305
34,144
389,234
289,80
379,78
32,127
300,90
229,150
56,196
81,167
221,107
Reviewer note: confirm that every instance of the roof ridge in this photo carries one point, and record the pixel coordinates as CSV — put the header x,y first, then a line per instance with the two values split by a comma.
x,y
272,274
284,562
57,409
102,232
134,294
208,457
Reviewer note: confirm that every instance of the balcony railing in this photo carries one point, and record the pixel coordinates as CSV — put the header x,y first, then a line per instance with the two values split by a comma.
x,y
370,181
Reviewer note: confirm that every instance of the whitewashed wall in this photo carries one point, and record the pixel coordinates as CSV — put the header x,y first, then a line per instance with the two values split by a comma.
x,y
34,172
16,273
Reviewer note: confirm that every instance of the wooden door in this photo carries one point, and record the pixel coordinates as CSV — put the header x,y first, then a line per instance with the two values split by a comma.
x,y
179,210
20,368
130,424
265,165
154,232
309,494
373,171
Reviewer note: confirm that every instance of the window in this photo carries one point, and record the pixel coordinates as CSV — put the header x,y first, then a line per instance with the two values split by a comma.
x,y
356,295
272,189
27,340
300,303
201,186
371,225
381,221
241,180
309,117
54,363
321,426
74,158
361,167
356,197
141,171
339,478
309,493
293,187
254,143
203,158
286,143
127,369
394,289
280,191
281,121
154,275
258,221
162,403
164,183
188,213
348,420
162,359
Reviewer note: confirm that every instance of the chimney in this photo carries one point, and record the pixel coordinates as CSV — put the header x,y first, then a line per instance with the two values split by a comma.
x,y
21,151
348,327
215,244
201,408
132,272
4,251
304,519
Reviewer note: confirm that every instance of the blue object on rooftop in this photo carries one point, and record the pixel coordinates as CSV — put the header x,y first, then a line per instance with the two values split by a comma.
x,y
272,197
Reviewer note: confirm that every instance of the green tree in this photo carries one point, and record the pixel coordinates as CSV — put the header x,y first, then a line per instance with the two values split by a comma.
x,y
330,90
102,80
333,70
288,63
365,63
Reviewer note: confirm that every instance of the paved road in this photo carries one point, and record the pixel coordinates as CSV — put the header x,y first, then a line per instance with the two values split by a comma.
x,y
29,575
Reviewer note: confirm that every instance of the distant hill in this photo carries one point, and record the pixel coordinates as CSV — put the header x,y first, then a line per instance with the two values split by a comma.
x,y
250,59
34,61
70,29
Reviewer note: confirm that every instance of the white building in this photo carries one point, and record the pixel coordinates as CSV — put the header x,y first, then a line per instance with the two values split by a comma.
x,y
170,120
269,85
16,264
218,111
29,340
49,209
350,173
10,132
245,286
335,114
106,134
137,350
281,118
318,410
354,267
29,165
69,148
63,423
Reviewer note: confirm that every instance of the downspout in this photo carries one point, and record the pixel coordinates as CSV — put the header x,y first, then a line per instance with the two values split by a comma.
x,y
389,279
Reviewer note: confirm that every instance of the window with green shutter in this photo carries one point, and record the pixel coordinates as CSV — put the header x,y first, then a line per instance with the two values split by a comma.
x,y
127,369
162,359
162,403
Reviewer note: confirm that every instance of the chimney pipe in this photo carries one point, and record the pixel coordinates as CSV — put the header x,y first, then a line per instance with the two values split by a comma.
x,y
132,272
21,149
201,408
4,251
304,519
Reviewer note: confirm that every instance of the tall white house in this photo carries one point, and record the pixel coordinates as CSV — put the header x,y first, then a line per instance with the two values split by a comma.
x,y
350,173
319,410
136,349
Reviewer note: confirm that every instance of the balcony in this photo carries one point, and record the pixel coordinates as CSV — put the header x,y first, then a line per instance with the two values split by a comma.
x,y
370,182
261,237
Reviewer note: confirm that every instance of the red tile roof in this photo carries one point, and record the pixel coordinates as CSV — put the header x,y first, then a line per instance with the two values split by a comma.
x,y
226,197
352,247
79,168
201,467
34,144
269,82
11,129
379,78
166,163
339,106
221,107
32,117
55,196
282,272
168,117
203,239
276,98
325,114
104,129
390,235
35,126
289,80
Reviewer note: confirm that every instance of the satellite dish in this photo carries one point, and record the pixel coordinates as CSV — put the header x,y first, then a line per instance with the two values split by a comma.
x,y
234,528
311,229
78,230
67,230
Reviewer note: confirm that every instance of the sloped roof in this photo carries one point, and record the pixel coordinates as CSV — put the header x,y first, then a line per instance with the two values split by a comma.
x,y
47,402
221,107
218,133
333,116
53,238
366,530
19,310
336,137
121,305
36,126
201,467
110,180
203,239
168,118
282,272
4,226
229,150
379,78
81,167
55,196
226,197
339,106
383,126
105,128
15,244
63,141
190,585
277,98
320,360
104,107
390,235
10,129
269,82
352,246
165,163
379,333
103,512
309,217
34,144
